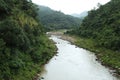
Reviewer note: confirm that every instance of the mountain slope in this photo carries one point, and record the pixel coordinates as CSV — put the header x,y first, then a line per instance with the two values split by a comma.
x,y
103,25
23,44
56,20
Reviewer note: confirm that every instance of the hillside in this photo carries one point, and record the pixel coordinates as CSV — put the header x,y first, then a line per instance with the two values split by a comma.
x,y
24,48
102,26
53,20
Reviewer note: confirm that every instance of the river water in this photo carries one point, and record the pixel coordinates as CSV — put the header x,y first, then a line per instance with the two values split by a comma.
x,y
74,63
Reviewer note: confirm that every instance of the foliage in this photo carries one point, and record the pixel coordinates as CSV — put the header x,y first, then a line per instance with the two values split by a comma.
x,y
23,44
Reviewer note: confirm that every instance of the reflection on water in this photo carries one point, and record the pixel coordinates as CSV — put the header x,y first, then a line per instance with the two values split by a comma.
x,y
73,63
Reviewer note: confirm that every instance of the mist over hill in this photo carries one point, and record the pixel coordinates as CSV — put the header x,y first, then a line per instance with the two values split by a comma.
x,y
81,15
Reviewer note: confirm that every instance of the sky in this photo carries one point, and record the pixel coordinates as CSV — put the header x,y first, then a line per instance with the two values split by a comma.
x,y
70,6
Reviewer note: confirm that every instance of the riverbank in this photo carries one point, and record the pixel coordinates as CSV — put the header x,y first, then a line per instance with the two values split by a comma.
x,y
52,49
107,57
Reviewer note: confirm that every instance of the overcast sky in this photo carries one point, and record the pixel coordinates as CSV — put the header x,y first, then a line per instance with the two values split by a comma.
x,y
70,6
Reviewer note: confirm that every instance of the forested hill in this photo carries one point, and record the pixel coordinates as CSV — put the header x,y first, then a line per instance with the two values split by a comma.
x,y
23,45
56,20
100,32
103,25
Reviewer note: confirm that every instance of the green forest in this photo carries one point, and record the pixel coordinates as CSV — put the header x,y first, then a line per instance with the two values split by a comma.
x,y
24,47
100,32
55,20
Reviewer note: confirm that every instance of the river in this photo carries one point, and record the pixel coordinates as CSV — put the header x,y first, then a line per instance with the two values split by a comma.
x,y
74,63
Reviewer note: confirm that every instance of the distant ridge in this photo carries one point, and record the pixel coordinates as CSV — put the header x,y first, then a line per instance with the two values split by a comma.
x,y
81,15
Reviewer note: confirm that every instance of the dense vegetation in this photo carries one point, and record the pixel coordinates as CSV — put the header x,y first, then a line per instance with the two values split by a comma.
x,y
102,26
23,44
53,20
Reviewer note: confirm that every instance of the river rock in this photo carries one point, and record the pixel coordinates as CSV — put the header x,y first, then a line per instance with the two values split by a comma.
x,y
42,77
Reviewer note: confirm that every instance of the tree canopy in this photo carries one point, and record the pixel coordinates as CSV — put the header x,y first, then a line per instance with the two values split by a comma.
x,y
103,25
23,45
